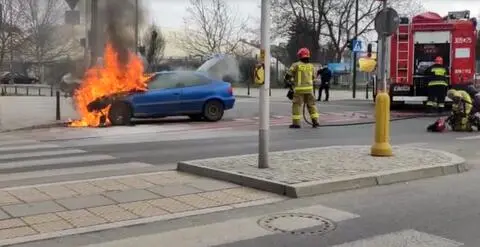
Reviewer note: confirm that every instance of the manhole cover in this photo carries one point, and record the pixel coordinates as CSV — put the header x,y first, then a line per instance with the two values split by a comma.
x,y
297,223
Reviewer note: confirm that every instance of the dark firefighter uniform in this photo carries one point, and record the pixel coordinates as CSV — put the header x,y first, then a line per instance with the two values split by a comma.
x,y
461,109
300,76
437,85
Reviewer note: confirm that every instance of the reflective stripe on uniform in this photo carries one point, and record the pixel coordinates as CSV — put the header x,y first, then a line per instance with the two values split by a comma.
x,y
441,105
296,117
315,116
307,89
437,83
431,103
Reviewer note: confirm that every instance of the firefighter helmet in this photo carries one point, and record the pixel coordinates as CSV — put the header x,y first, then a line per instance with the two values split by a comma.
x,y
439,60
303,53
438,126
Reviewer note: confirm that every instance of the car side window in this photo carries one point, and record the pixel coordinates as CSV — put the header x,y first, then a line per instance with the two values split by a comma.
x,y
191,80
162,81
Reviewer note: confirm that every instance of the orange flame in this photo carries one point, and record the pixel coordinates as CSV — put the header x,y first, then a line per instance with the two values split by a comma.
x,y
103,80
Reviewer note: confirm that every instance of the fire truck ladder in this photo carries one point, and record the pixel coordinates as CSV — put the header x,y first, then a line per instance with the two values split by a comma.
x,y
403,50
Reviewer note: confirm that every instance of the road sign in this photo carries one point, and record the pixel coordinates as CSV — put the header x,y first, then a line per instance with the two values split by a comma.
x,y
386,22
72,3
357,45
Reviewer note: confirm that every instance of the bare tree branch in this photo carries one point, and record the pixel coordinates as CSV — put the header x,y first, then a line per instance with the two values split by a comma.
x,y
154,44
46,39
11,36
211,27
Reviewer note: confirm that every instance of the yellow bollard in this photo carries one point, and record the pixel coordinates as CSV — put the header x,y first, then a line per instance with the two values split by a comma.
x,y
382,146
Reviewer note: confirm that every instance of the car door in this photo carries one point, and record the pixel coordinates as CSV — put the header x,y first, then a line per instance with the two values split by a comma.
x,y
195,90
161,99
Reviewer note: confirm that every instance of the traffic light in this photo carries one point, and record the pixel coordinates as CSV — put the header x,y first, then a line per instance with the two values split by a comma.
x,y
369,50
350,44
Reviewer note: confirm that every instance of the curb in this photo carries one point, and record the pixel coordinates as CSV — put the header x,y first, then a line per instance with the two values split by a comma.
x,y
39,126
457,165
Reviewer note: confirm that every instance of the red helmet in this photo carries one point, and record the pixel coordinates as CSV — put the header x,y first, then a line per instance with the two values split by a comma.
x,y
303,53
438,126
439,60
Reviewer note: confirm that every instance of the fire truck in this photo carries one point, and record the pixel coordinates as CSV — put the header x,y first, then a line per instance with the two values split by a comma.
x,y
415,45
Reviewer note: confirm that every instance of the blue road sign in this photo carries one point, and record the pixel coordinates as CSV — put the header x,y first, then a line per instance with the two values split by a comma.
x,y
357,45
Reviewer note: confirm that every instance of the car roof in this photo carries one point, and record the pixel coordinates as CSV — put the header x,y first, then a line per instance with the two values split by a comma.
x,y
182,72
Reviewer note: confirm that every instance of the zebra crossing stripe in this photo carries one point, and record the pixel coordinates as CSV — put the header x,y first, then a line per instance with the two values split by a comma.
x,y
27,147
16,142
55,161
40,154
73,171
410,238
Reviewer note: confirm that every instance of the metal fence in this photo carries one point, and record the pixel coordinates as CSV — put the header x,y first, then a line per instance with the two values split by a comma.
x,y
28,90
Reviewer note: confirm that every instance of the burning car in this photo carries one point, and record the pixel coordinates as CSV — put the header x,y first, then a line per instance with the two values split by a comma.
x,y
173,93
117,90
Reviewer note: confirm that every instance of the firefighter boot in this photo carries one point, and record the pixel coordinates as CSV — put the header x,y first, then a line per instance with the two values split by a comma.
x,y
295,124
315,123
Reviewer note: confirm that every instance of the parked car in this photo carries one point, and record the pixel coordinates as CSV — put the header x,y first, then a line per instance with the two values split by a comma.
x,y
17,78
173,93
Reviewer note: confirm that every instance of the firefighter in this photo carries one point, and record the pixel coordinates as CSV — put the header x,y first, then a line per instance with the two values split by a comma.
x,y
300,78
437,85
461,109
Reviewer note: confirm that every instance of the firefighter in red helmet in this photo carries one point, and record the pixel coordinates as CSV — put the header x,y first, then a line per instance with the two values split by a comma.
x,y
437,76
300,78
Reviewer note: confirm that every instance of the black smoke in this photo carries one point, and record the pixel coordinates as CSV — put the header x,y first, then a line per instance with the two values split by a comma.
x,y
120,25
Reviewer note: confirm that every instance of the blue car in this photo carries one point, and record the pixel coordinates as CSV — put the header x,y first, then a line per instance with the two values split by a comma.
x,y
175,93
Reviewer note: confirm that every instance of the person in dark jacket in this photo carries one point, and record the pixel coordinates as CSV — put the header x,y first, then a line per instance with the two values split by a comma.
x,y
325,76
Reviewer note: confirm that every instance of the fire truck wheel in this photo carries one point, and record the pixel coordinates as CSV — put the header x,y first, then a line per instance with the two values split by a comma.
x,y
213,110
120,114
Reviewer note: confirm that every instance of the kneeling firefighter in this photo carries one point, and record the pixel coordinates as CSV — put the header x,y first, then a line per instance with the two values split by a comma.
x,y
461,109
299,78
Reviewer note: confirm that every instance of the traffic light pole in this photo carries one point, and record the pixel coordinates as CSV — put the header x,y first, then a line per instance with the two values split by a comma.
x,y
354,79
264,128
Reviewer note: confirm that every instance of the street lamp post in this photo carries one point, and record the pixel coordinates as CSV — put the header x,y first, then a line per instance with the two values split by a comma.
x,y
264,128
136,26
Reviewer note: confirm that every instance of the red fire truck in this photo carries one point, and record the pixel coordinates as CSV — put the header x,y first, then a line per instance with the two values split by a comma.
x,y
415,45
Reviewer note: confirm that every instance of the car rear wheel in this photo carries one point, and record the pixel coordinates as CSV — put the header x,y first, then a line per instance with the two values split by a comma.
x,y
120,114
213,110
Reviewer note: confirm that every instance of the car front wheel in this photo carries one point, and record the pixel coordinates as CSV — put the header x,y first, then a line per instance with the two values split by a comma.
x,y
213,110
120,114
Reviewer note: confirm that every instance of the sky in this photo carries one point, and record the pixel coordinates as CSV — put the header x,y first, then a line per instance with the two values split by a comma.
x,y
169,13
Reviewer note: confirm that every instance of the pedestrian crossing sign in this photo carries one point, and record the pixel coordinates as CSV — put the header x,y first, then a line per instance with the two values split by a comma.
x,y
357,45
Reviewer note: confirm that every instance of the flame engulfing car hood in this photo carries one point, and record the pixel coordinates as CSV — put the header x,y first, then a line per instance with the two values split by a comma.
x,y
221,67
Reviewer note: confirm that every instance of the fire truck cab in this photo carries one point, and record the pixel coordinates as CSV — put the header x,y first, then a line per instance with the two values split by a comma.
x,y
415,45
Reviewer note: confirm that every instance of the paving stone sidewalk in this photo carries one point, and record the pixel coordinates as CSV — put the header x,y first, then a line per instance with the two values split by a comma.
x,y
315,171
52,210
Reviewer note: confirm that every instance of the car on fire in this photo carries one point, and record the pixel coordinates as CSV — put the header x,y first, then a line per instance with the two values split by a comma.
x,y
171,93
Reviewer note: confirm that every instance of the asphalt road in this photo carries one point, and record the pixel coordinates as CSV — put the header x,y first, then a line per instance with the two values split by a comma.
x,y
444,208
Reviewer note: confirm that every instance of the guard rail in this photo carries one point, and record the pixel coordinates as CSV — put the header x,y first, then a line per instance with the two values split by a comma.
x,y
28,90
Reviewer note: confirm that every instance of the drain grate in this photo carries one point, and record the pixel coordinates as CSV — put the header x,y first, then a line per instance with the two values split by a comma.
x,y
281,222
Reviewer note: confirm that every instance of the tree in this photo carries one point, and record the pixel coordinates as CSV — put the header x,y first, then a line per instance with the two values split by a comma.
x,y
10,34
301,14
154,43
211,27
45,39
333,21
301,33
340,19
